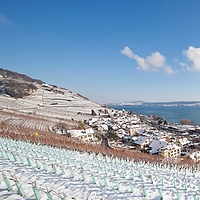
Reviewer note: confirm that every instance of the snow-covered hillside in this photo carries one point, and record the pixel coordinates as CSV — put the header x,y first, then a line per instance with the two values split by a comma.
x,y
23,95
52,102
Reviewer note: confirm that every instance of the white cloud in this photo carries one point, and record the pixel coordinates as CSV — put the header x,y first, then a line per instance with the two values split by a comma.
x,y
4,20
193,55
128,52
155,62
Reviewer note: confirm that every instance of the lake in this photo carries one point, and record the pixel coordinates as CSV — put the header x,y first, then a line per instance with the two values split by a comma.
x,y
169,113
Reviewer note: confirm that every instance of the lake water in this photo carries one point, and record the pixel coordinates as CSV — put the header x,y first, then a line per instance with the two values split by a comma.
x,y
170,113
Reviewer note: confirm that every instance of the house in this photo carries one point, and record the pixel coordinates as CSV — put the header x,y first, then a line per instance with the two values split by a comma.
x,y
92,121
120,133
84,134
184,143
104,127
142,141
171,150
134,128
127,139
156,144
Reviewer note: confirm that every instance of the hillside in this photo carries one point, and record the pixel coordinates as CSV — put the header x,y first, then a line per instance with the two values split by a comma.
x,y
23,95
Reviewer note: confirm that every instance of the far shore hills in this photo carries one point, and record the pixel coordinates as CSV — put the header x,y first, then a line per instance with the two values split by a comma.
x,y
143,103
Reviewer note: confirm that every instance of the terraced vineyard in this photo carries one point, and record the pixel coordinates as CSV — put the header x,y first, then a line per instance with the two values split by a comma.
x,y
35,171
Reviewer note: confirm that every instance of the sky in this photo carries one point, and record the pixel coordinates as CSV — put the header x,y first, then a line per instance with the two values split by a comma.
x,y
109,51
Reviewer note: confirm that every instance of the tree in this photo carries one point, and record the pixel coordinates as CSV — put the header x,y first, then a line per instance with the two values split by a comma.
x,y
185,122
111,134
81,125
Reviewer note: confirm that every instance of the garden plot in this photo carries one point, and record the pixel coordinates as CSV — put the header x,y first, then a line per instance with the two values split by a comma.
x,y
32,171
30,124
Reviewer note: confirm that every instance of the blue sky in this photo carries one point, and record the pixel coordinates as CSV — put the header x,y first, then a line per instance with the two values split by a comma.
x,y
107,50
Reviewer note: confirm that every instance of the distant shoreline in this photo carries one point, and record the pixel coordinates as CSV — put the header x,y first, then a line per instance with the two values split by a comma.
x,y
172,114
142,103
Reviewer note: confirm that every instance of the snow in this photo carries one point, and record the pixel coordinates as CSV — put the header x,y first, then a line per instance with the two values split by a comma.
x,y
67,174
63,104
141,140
183,141
195,156
156,145
82,132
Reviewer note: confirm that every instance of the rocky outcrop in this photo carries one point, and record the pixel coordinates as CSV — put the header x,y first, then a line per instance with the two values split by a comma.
x,y
17,85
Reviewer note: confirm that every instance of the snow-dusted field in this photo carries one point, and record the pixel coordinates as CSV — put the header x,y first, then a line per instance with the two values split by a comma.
x,y
50,104
32,171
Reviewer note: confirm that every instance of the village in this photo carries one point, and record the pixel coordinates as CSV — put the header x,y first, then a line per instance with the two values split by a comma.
x,y
147,134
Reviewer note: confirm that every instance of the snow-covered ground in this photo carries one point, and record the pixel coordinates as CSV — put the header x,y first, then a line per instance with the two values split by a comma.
x,y
32,171
44,103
